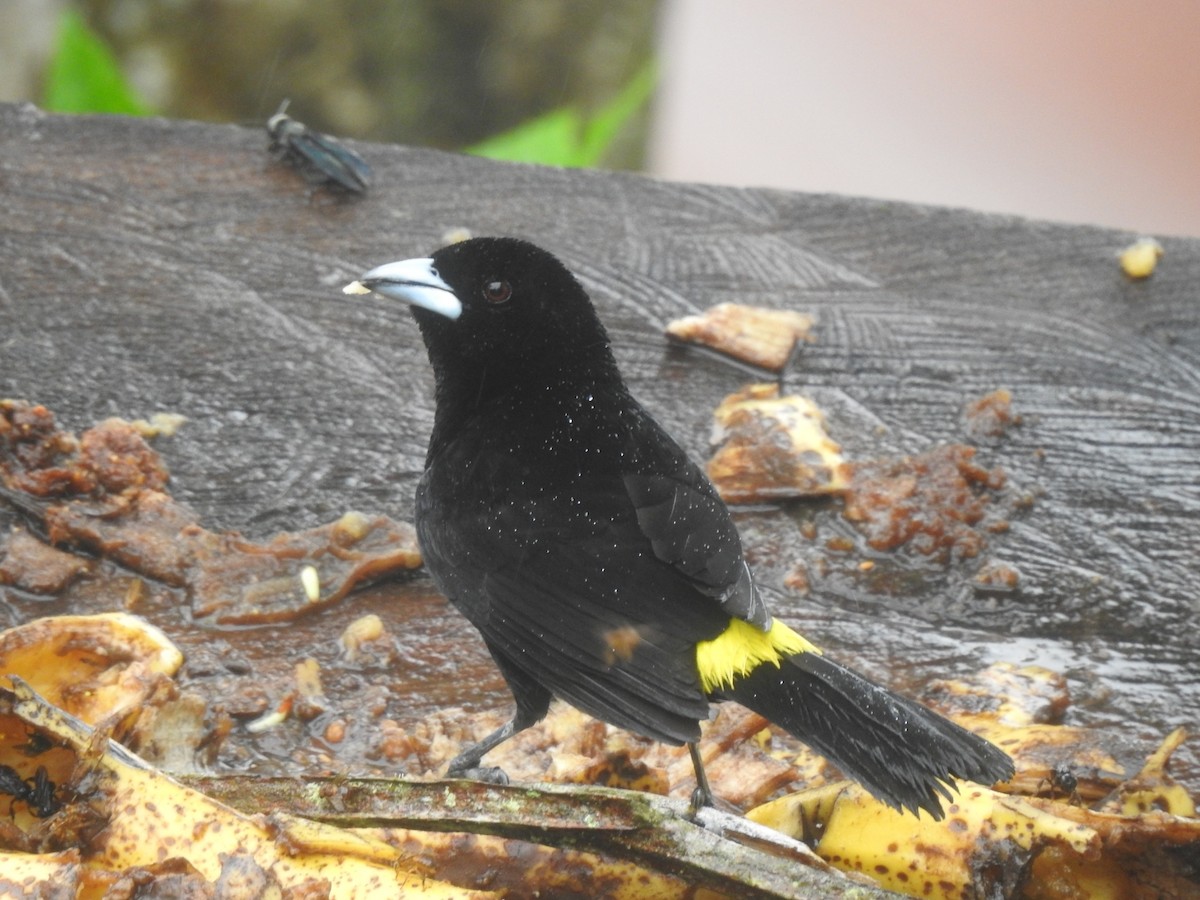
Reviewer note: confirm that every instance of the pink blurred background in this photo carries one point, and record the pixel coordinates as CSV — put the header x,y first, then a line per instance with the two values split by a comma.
x,y
1072,110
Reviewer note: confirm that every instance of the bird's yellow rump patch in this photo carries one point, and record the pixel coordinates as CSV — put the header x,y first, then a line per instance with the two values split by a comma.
x,y
741,648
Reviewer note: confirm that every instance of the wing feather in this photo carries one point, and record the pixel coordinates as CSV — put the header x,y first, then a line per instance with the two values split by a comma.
x,y
599,582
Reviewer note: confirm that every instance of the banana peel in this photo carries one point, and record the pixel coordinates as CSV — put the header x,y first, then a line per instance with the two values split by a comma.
x,y
111,820
516,865
1054,760
558,840
90,666
22,871
1153,789
89,817
1037,839
754,334
1018,709
124,817
772,447
126,827
995,844
985,835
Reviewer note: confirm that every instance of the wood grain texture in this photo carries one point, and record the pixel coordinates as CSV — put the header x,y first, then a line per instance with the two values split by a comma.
x,y
153,265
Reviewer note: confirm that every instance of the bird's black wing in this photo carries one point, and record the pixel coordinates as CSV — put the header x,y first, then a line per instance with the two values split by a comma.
x,y
689,528
599,581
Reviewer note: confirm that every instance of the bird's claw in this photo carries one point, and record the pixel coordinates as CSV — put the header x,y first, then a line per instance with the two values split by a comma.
x,y
700,799
486,774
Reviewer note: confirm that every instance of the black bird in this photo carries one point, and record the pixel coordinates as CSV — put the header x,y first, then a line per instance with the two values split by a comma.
x,y
597,560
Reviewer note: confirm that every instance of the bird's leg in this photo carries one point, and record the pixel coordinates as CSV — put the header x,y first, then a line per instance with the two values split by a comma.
x,y
466,764
533,702
702,795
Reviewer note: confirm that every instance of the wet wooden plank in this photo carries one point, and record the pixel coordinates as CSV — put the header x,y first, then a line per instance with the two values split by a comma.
x,y
153,265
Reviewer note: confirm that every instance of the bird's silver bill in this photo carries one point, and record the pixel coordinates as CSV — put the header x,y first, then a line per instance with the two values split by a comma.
x,y
414,281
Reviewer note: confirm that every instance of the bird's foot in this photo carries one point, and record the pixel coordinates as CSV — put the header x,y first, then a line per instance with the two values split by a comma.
x,y
701,797
701,801
486,774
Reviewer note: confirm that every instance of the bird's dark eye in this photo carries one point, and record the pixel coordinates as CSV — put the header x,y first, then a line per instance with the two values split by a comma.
x,y
497,292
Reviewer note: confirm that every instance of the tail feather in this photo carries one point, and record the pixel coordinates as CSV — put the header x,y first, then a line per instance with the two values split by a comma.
x,y
902,752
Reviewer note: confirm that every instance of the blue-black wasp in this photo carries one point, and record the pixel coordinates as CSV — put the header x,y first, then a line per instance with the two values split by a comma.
x,y
318,156
37,792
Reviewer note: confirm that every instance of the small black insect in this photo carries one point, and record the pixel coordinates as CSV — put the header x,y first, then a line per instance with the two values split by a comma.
x,y
37,792
318,156
1063,778
12,783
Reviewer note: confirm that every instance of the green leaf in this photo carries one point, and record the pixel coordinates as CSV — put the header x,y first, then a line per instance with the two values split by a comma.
x,y
562,137
551,139
604,127
83,75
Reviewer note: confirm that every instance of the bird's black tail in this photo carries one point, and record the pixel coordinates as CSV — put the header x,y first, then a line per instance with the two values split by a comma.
x,y
900,751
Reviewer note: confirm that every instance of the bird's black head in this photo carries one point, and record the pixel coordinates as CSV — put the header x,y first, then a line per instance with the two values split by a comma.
x,y
497,304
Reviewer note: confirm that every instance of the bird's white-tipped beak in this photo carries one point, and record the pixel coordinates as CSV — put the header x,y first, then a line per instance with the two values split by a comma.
x,y
414,281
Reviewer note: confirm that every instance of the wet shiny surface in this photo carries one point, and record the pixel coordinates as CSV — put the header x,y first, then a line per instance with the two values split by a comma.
x,y
164,266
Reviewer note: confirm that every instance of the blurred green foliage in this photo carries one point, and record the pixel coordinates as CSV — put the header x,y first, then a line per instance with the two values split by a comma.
x,y
564,137
83,75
